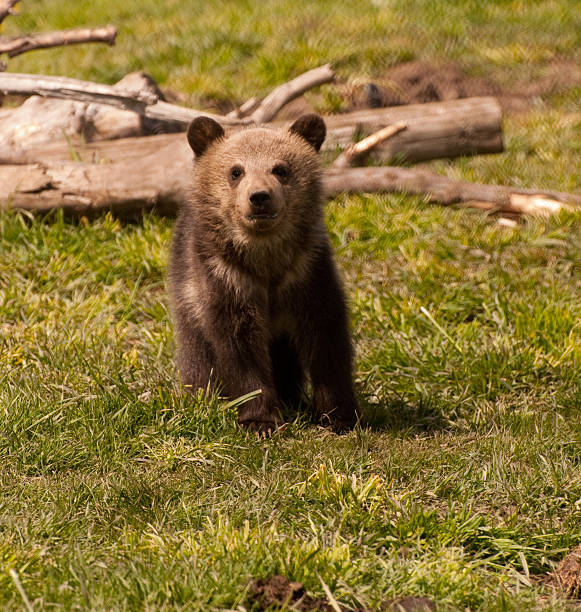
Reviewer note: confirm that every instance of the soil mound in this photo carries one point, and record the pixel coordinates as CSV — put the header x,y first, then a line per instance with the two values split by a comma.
x,y
418,82
567,575
421,81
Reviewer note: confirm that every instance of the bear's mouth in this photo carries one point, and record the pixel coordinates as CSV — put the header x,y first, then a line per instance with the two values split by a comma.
x,y
261,221
258,216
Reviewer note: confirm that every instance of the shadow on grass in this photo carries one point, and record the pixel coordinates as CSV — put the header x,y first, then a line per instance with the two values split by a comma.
x,y
389,414
397,415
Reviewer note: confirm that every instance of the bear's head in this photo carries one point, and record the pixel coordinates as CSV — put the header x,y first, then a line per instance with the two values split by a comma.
x,y
260,182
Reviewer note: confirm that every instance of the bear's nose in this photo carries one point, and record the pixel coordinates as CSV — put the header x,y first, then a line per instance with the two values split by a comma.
x,y
260,201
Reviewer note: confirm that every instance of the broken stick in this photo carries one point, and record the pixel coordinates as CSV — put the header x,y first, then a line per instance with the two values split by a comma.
x,y
15,45
356,153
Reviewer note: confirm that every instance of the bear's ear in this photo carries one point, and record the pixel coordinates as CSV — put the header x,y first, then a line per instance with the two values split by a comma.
x,y
311,128
202,133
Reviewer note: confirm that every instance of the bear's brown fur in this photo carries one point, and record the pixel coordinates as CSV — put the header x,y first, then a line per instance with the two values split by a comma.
x,y
255,295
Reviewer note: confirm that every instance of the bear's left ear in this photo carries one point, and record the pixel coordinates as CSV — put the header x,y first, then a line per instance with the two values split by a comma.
x,y
202,133
311,128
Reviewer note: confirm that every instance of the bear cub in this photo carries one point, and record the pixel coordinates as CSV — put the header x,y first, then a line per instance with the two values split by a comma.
x,y
255,295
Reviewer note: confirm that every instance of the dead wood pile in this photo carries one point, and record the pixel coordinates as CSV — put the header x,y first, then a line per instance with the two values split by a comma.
x,y
88,147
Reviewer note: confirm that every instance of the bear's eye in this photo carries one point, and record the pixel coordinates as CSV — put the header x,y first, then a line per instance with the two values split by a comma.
x,y
236,172
280,171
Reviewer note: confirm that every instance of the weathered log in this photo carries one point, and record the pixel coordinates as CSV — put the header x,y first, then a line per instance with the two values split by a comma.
x,y
39,121
161,180
440,189
438,129
469,126
16,45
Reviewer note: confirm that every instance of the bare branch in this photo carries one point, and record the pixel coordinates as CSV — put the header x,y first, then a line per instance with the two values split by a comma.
x,y
243,111
6,8
443,190
286,92
15,45
356,153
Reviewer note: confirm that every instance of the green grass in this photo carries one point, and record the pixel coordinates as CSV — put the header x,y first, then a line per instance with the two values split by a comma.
x,y
119,492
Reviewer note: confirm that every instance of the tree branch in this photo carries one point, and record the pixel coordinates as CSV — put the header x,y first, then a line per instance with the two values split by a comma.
x,y
245,109
439,189
6,8
15,45
286,92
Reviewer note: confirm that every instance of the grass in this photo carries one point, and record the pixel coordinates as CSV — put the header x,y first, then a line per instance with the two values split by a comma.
x,y
118,492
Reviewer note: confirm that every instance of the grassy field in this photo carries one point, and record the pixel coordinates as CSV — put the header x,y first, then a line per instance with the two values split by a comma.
x,y
117,492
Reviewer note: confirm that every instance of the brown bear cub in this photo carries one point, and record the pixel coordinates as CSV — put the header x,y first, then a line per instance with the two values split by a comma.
x,y
256,299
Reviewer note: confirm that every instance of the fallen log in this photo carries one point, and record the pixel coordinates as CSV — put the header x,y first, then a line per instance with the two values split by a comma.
x,y
439,189
469,126
16,45
438,129
64,88
161,181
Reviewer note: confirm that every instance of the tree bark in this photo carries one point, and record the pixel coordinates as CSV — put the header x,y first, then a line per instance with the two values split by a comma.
x,y
161,181
16,45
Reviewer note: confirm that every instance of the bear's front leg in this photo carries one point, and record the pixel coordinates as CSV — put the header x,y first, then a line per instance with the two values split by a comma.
x,y
333,394
328,352
239,340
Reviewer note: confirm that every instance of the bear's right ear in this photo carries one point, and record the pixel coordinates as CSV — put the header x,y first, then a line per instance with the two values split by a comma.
x,y
202,133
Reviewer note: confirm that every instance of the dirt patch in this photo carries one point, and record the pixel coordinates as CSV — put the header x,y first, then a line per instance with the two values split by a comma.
x,y
567,575
421,81
278,592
